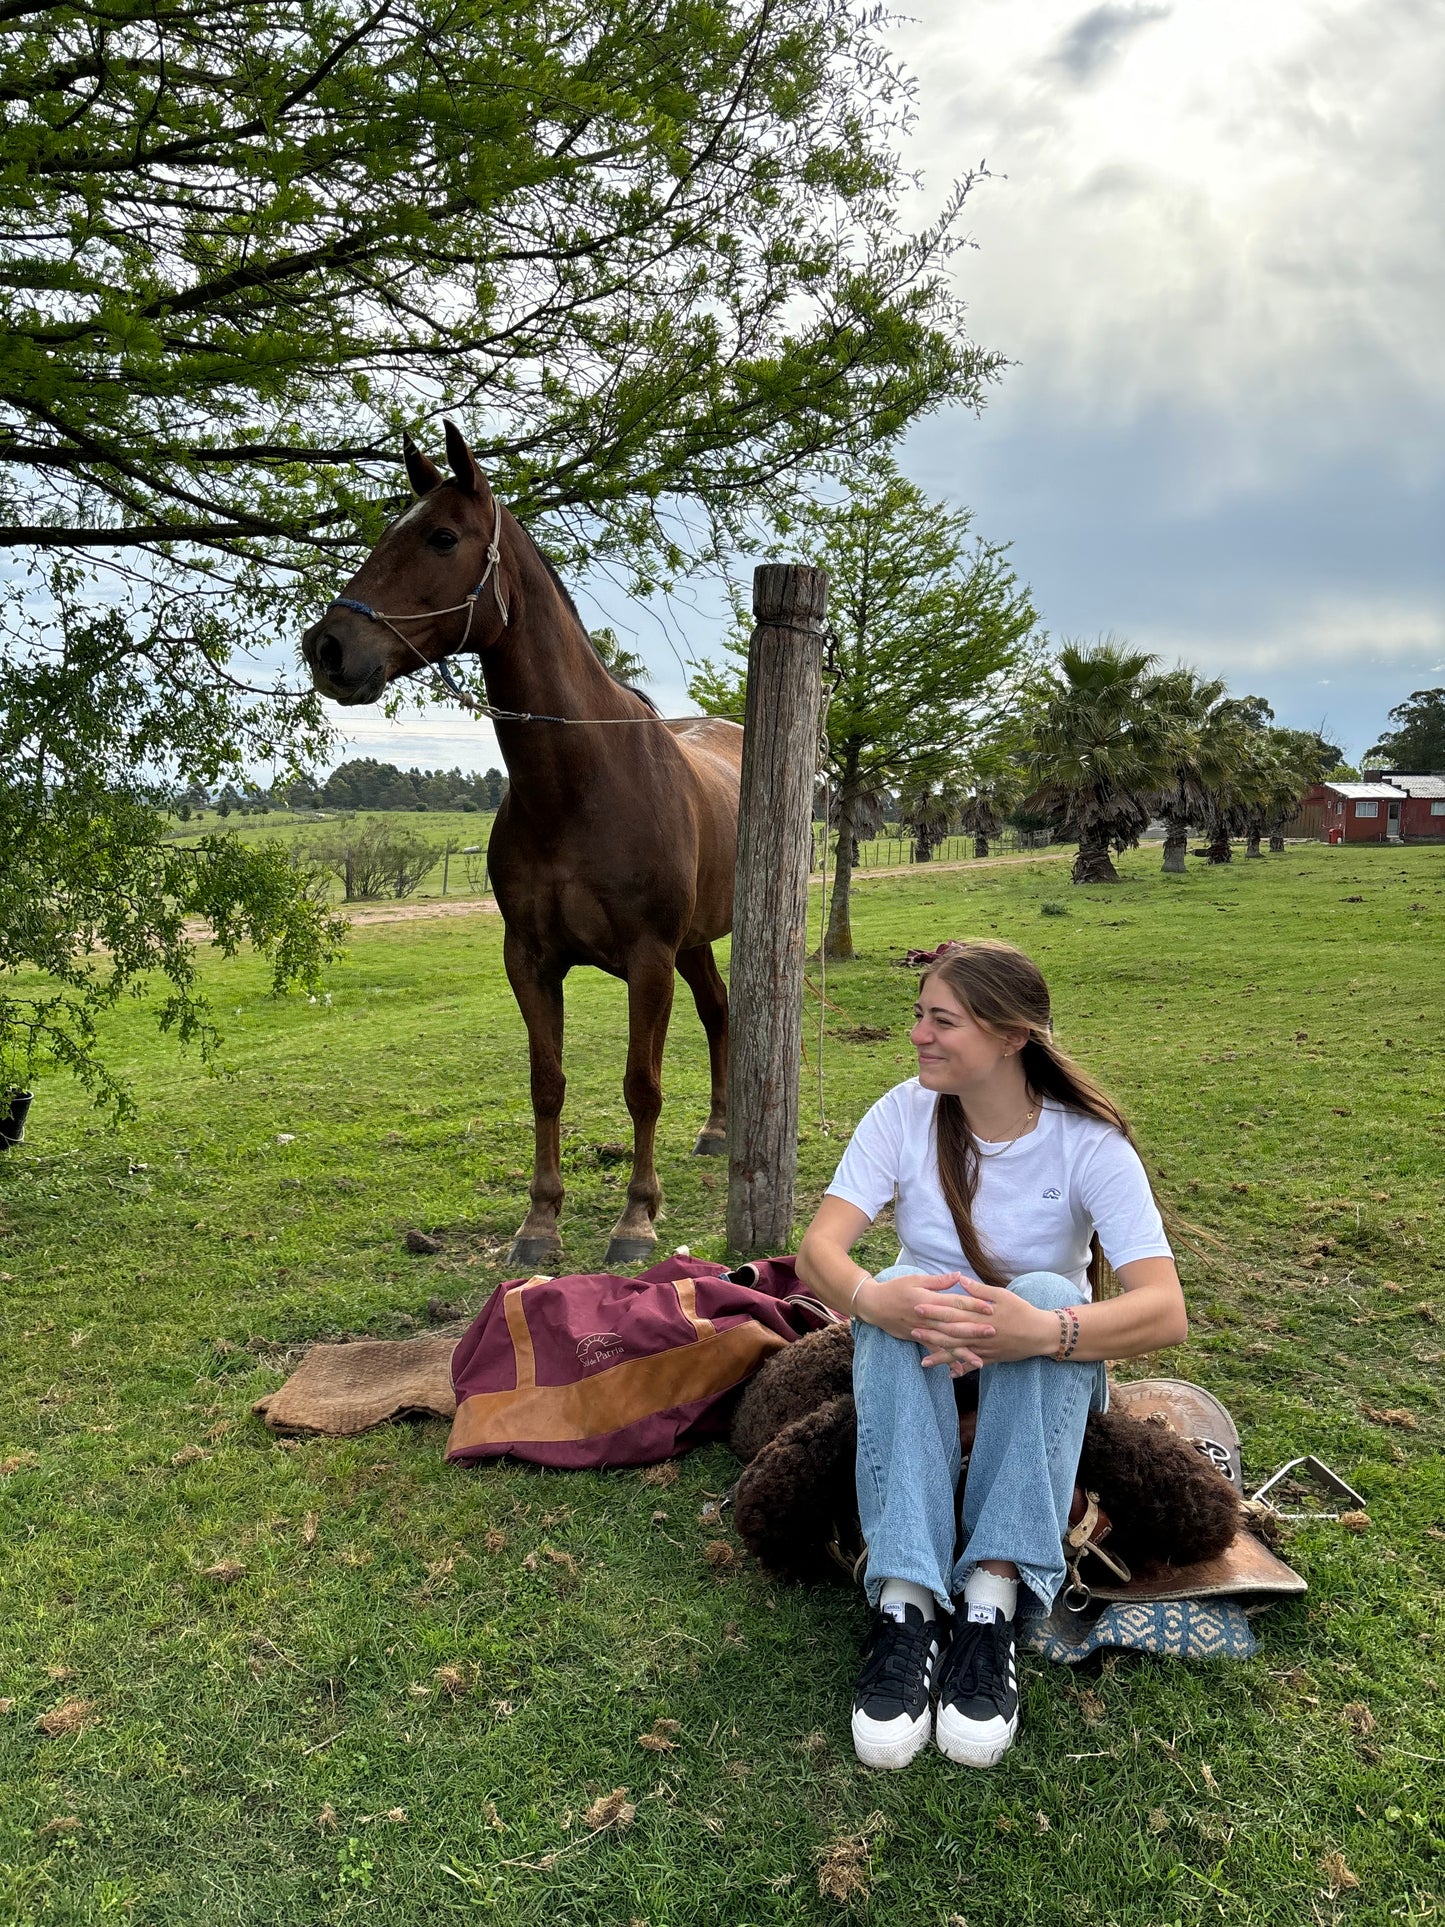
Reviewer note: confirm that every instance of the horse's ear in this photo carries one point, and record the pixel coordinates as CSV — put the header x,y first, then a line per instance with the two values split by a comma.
x,y
464,463
422,471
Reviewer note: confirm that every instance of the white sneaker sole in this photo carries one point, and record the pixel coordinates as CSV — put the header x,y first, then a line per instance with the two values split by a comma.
x,y
895,1751
973,1742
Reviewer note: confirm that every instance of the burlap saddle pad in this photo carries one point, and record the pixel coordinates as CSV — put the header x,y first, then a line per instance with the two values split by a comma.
x,y
344,1389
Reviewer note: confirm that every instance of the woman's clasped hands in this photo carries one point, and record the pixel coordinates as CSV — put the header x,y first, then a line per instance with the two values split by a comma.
x,y
966,1324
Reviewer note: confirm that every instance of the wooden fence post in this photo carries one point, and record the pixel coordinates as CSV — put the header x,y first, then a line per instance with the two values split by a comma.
x,y
770,904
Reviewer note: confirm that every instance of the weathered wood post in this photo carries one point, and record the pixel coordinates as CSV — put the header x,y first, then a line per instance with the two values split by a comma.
x,y
770,904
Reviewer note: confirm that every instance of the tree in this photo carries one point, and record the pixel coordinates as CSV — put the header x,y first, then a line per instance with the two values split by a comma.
x,y
985,810
870,813
930,634
1418,739
1098,752
1184,702
373,858
1302,758
646,252
930,808
1238,758
652,255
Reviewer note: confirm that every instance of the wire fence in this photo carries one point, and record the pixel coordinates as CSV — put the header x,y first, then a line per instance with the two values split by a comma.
x,y
893,852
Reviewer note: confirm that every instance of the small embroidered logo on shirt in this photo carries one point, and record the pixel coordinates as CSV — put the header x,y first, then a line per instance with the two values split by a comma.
x,y
1053,1192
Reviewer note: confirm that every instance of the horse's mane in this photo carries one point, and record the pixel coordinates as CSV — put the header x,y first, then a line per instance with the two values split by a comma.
x,y
566,594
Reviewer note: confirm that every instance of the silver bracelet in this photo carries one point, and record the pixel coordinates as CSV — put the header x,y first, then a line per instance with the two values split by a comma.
x,y
866,1279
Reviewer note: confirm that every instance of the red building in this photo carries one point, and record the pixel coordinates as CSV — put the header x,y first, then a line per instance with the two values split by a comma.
x,y
1361,812
1422,813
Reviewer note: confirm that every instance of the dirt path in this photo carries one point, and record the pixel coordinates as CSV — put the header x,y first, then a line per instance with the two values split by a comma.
x,y
364,913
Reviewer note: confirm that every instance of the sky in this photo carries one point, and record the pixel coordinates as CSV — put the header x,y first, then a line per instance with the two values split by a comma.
x,y
1210,245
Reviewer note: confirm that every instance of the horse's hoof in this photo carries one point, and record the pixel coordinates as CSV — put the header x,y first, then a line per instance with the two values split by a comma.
x,y
711,1144
629,1251
534,1254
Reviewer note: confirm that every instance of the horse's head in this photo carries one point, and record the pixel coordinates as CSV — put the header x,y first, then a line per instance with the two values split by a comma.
x,y
414,599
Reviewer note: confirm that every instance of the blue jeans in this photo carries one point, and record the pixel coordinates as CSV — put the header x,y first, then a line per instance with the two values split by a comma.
x,y
1021,1473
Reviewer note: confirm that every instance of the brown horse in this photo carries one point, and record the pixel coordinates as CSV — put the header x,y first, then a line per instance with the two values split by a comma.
x,y
616,841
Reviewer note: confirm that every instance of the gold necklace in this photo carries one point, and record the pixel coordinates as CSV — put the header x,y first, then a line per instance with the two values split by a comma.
x,y
1013,1139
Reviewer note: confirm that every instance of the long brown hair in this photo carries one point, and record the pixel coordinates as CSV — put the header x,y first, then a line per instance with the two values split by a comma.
x,y
1003,990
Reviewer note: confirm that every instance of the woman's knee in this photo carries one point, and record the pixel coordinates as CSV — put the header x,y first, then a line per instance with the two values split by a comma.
x,y
1047,1290
895,1271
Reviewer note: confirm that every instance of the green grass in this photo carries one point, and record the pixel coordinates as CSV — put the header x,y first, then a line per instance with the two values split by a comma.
x,y
1281,1050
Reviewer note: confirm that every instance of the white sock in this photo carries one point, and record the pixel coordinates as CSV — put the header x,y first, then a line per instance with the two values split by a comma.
x,y
988,1592
903,1592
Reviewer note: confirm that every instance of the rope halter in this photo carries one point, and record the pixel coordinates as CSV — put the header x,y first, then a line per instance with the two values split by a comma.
x,y
490,574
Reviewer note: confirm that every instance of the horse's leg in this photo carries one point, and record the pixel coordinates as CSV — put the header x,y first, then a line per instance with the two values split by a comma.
x,y
649,1005
538,991
698,969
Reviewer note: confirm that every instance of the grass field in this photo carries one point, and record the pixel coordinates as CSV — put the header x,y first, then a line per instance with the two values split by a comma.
x,y
339,1681
465,876
463,829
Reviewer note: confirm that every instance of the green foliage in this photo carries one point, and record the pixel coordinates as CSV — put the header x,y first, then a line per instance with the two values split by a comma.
x,y
1255,775
930,811
621,663
930,636
650,255
1114,744
1418,740
363,783
374,859
996,793
643,252
94,899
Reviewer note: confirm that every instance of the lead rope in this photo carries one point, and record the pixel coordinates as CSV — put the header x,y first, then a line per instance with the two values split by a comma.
x,y
828,689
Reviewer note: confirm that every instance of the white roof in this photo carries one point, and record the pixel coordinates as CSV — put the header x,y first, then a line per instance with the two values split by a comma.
x,y
1418,785
1362,792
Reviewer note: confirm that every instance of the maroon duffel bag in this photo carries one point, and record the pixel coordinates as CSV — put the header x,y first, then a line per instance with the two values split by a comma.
x,y
595,1369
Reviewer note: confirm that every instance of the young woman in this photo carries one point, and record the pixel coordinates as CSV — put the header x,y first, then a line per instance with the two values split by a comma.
x,y
1008,1167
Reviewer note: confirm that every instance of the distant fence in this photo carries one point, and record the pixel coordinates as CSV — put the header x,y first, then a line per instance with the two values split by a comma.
x,y
892,852
1309,822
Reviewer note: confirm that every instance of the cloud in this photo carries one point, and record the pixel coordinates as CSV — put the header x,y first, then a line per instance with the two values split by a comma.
x,y
436,739
1320,634
1236,215
1097,38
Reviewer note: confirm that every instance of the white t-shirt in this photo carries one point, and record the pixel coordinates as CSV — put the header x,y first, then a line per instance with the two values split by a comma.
x,y
1040,1197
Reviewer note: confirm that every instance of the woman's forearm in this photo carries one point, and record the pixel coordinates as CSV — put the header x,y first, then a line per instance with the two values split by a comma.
x,y
981,1324
830,1272
1147,1319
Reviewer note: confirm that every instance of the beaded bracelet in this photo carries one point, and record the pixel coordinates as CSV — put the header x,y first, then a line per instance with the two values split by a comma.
x,y
1068,1333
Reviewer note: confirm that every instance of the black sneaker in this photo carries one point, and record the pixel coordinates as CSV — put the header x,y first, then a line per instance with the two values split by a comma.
x,y
978,1692
892,1710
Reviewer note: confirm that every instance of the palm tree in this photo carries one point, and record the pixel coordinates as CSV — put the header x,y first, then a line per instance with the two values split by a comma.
x,y
930,811
1237,754
1099,752
866,817
988,802
1184,701
1302,759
